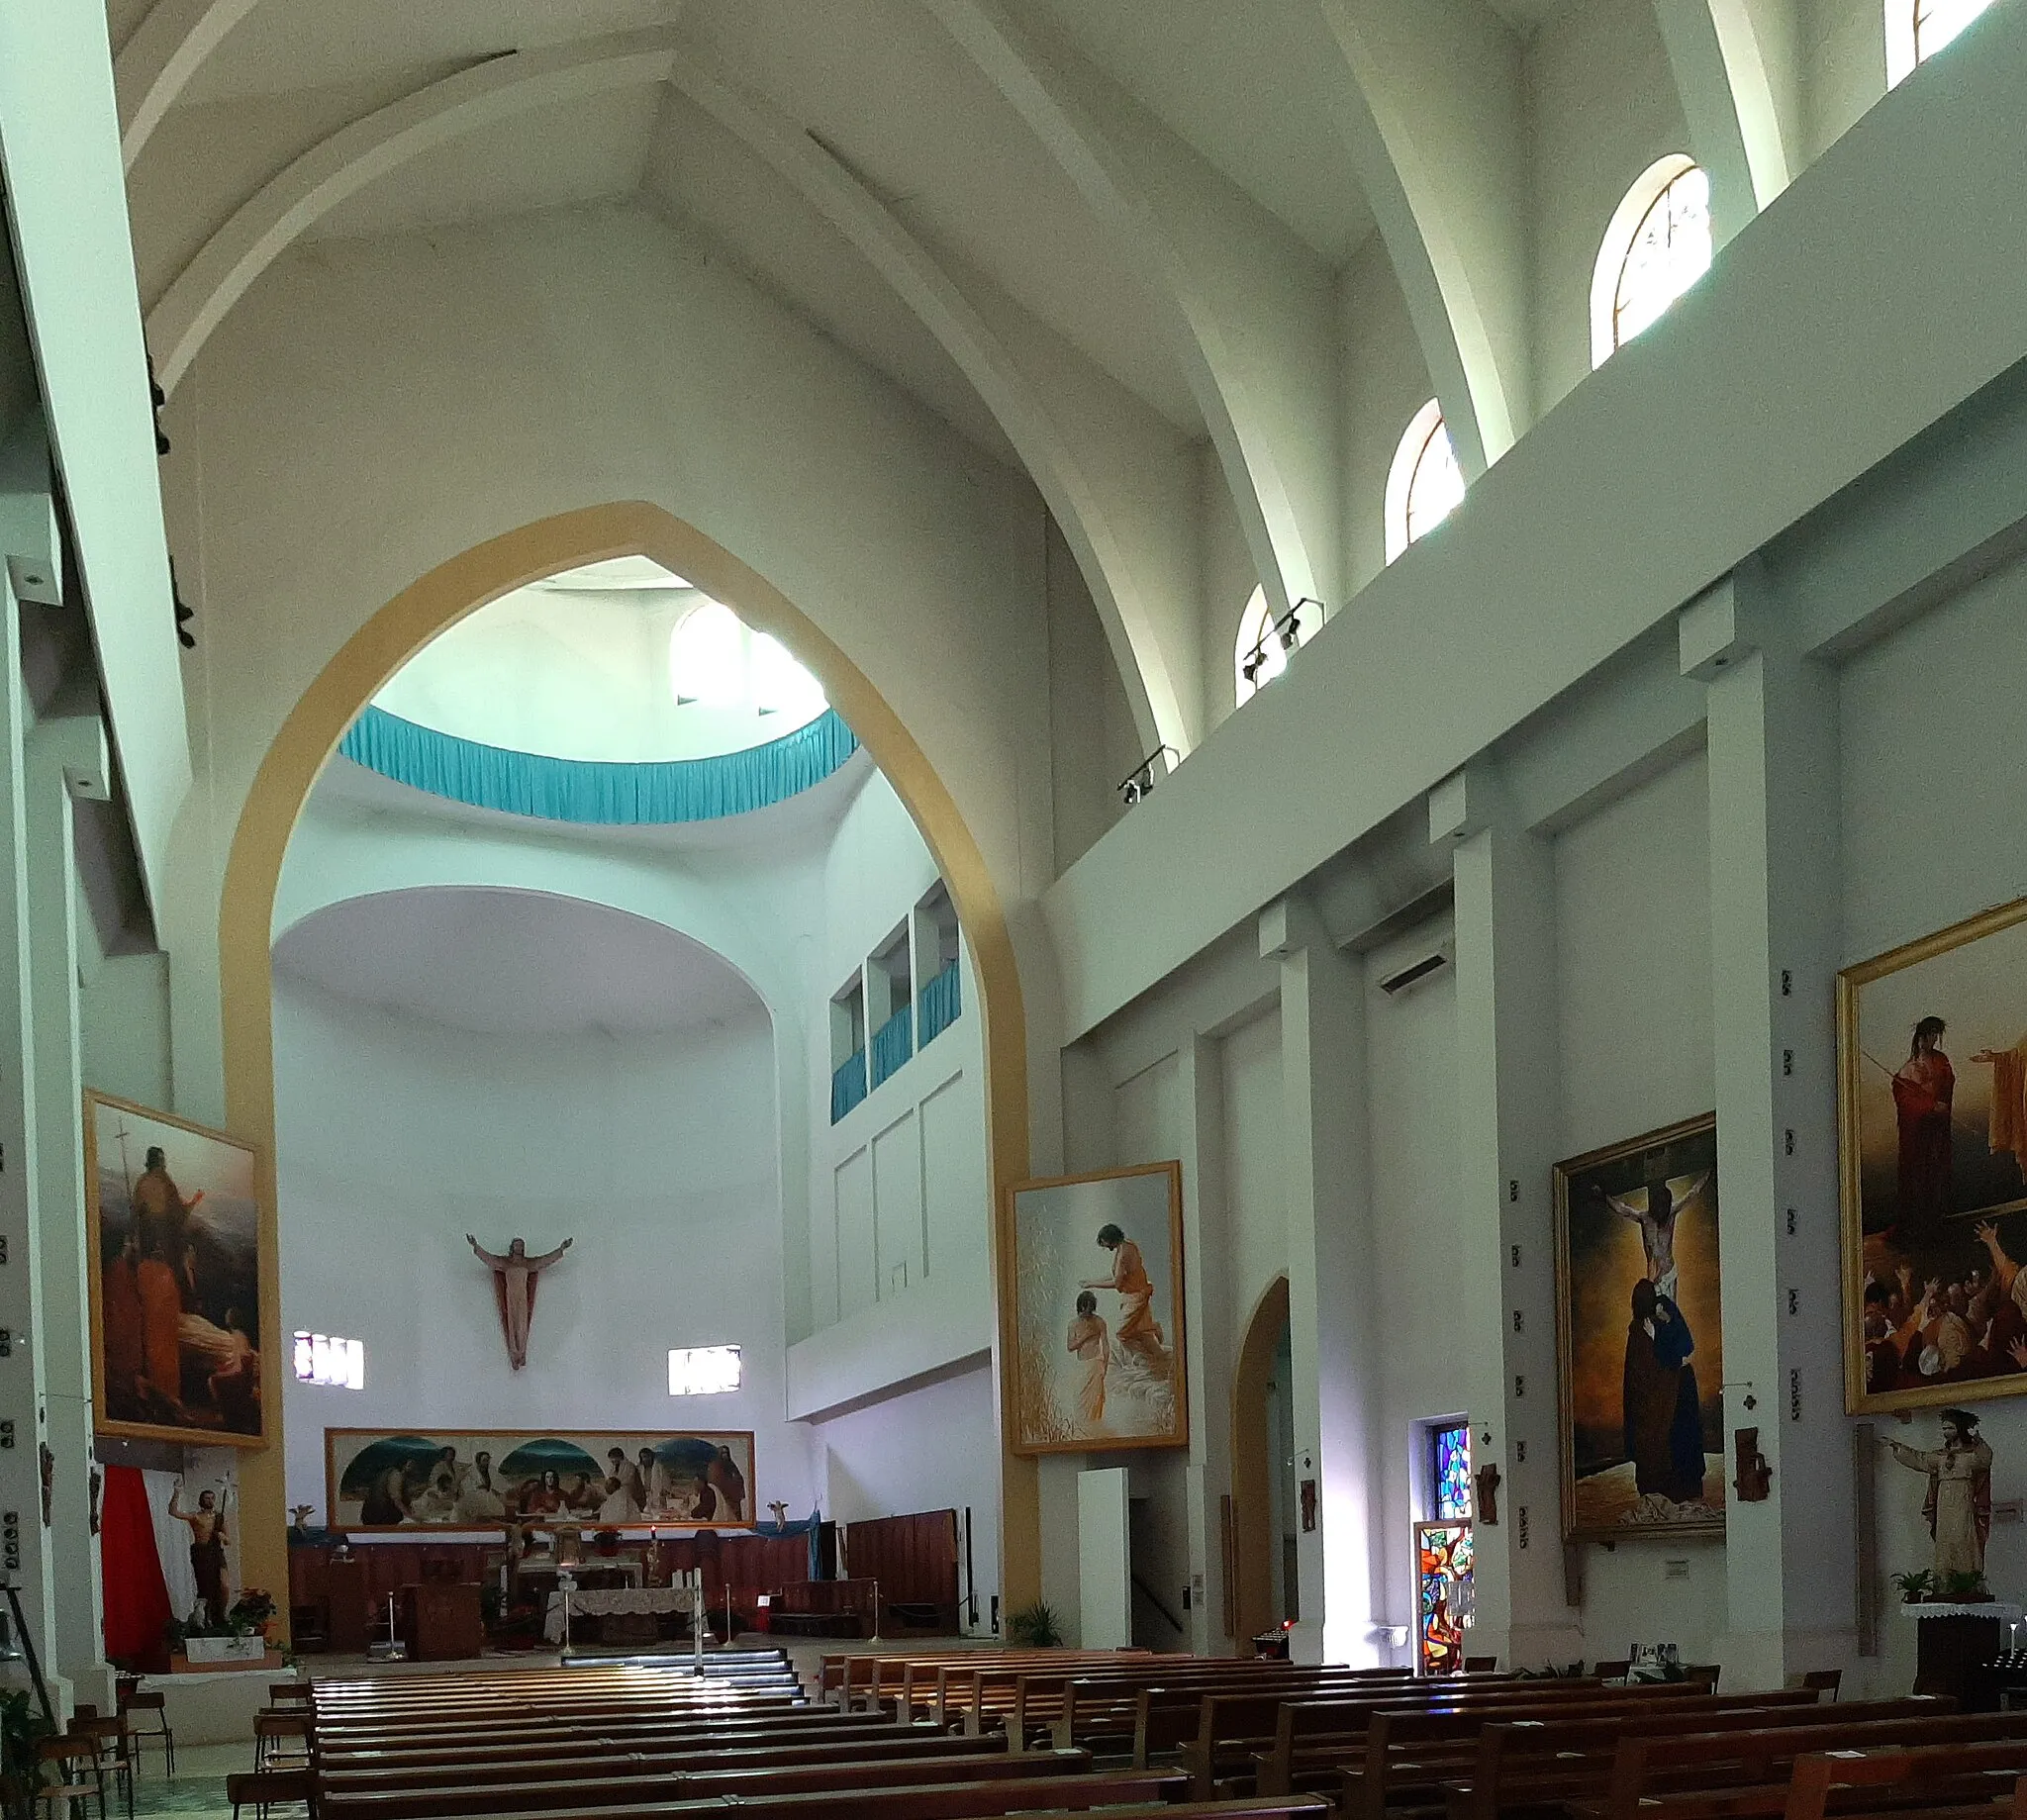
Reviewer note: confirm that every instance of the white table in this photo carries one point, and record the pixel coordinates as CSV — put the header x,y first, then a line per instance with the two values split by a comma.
x,y
598,1604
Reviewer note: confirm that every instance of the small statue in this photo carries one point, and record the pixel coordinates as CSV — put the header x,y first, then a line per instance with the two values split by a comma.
x,y
300,1530
1485,1499
780,1508
1959,1503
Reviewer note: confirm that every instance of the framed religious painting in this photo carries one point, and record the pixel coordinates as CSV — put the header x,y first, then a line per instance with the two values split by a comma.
x,y
1932,1148
481,1478
173,1216
1640,1337
1095,1269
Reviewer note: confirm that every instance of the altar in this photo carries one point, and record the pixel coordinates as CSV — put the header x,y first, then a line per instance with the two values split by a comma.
x,y
650,1602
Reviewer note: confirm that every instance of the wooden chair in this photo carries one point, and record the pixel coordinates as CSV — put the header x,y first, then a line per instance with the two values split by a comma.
x,y
1702,1675
288,1693
71,1763
1479,1664
132,1701
262,1789
1611,1671
1822,1681
272,1732
115,1750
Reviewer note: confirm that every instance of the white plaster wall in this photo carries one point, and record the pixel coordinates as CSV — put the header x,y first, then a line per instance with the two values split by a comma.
x,y
455,385
1632,887
1255,1148
1844,64
901,1214
1930,726
1601,106
123,1015
396,1137
1230,577
932,1447
1420,1227
1386,382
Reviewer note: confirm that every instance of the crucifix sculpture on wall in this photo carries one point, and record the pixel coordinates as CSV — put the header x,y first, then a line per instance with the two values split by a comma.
x,y
514,1285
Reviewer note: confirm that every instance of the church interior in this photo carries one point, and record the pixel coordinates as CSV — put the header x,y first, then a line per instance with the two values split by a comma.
x,y
904,894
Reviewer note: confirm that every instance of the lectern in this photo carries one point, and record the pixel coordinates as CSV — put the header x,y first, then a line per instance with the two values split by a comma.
x,y
440,1622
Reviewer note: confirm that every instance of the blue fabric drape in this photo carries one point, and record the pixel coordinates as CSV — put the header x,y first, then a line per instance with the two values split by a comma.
x,y
941,1000
847,1084
893,1043
597,791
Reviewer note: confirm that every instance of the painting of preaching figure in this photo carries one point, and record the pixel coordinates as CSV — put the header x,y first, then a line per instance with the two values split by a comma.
x,y
386,1479
174,1226
1096,1268
1932,1061
1640,1336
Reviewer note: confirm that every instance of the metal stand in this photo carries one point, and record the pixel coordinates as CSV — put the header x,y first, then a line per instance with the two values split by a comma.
x,y
567,1583
28,1651
876,1637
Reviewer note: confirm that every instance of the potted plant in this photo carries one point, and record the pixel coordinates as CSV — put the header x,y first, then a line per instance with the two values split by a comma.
x,y
240,1637
1917,1587
1034,1627
1966,1588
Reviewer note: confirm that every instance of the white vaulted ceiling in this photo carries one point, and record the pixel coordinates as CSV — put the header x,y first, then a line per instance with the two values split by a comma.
x,y
1108,241
513,962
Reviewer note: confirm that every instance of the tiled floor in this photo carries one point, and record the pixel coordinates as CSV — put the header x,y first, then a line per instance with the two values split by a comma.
x,y
198,1791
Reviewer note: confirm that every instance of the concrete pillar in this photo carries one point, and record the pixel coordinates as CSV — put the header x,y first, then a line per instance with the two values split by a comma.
x,y
1330,1315
65,756
1509,1128
1208,1477
1774,940
25,1540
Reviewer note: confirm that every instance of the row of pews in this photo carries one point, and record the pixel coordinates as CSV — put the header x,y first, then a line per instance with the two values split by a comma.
x,y
980,1733
634,1740
1378,1744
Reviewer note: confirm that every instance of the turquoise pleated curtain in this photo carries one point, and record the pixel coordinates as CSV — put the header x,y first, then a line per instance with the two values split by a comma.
x,y
941,1000
893,1043
596,791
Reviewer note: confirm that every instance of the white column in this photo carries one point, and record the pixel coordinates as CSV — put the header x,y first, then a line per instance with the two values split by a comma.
x,y
64,755
1509,1125
26,520
1104,1559
1209,1474
1773,938
1329,1304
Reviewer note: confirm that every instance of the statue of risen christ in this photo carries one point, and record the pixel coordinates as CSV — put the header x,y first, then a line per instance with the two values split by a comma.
x,y
514,1284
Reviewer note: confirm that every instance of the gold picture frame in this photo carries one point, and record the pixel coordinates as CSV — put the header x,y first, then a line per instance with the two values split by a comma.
x,y
1112,1374
367,1470
1627,1474
1932,1158
176,1280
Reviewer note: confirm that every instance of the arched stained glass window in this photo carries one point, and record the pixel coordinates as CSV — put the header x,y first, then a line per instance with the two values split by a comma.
x,y
1425,484
1658,244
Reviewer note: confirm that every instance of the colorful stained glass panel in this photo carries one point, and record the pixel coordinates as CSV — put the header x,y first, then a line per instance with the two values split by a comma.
x,y
1452,1470
1443,1595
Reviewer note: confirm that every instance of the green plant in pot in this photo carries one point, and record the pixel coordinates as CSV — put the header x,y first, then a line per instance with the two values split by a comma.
x,y
1034,1627
1916,1587
1966,1588
22,1728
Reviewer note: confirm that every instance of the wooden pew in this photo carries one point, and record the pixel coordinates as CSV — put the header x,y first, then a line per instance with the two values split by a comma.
x,y
479,1747
1089,1708
846,1677
1535,1763
1233,1741
1410,1757
727,1778
1928,1779
1747,1773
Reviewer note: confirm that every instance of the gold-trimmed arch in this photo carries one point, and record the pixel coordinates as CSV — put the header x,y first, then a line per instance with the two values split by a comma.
x,y
308,736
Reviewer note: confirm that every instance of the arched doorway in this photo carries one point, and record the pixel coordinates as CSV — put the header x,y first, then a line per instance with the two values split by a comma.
x,y
311,733
1263,1474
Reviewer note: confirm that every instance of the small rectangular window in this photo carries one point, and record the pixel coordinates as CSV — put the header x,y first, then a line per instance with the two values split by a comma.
x,y
328,1359
703,1370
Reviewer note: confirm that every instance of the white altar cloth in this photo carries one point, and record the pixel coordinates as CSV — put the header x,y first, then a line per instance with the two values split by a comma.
x,y
596,1604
